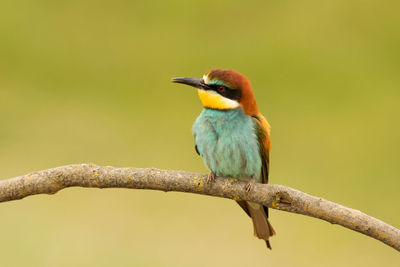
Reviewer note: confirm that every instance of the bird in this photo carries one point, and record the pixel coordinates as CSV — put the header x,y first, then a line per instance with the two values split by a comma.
x,y
233,137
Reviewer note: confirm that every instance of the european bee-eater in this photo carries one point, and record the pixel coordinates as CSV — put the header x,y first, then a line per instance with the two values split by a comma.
x,y
232,136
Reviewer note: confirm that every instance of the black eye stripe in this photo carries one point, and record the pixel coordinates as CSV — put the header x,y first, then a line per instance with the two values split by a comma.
x,y
228,92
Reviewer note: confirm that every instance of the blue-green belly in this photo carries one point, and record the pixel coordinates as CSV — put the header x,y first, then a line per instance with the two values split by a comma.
x,y
228,143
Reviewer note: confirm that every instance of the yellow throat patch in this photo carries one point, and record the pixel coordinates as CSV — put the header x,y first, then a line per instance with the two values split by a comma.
x,y
211,99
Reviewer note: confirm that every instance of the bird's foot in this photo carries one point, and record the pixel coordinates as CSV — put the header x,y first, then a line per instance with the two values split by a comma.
x,y
249,185
211,177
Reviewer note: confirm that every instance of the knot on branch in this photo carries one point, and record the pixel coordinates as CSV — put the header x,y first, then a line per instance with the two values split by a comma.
x,y
282,201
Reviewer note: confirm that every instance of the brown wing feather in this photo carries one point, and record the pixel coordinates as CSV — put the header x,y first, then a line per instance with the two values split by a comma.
x,y
263,131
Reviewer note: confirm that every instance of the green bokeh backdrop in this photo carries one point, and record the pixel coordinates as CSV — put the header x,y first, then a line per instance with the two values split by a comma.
x,y
88,81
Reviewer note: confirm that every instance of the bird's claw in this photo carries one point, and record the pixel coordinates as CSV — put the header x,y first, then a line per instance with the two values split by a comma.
x,y
211,177
250,184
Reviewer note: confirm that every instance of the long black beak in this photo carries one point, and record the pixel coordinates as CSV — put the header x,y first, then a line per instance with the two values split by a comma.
x,y
195,82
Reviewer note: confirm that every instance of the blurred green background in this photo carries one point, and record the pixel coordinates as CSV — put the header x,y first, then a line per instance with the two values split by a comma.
x,y
89,81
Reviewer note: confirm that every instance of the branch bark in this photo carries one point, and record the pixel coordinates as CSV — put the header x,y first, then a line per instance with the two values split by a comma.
x,y
274,196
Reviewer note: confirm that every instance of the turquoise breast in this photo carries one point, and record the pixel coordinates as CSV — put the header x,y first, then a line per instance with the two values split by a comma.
x,y
227,142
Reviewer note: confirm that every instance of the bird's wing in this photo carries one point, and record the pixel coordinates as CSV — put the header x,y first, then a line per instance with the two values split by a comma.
x,y
202,130
263,130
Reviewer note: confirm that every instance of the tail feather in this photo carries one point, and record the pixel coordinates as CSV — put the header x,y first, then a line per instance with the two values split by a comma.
x,y
262,228
268,244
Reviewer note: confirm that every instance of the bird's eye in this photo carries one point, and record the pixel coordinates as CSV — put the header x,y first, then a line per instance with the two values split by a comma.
x,y
221,89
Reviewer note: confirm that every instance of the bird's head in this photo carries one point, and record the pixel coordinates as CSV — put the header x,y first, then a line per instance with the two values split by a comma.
x,y
223,90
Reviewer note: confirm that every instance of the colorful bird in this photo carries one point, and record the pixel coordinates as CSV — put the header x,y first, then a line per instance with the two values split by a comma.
x,y
232,136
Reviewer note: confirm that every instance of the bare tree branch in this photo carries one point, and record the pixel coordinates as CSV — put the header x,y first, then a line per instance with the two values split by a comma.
x,y
274,196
